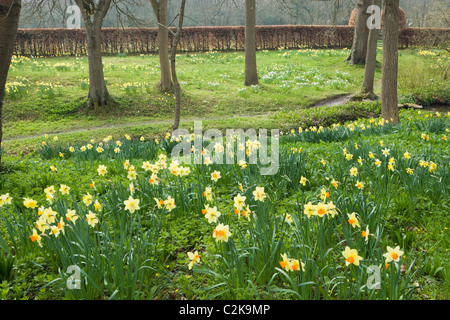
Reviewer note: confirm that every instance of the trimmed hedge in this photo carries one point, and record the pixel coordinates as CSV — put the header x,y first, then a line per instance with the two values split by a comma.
x,y
60,42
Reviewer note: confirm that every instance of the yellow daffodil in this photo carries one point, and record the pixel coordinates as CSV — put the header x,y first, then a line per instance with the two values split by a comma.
x,y
351,256
131,204
87,199
215,176
353,220
393,254
36,237
303,180
259,194
212,215
208,194
29,203
91,219
71,215
5,199
64,189
222,233
169,204
102,171
359,185
365,234
194,259
309,209
239,202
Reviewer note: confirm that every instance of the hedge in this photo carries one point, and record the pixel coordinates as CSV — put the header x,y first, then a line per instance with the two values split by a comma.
x,y
58,42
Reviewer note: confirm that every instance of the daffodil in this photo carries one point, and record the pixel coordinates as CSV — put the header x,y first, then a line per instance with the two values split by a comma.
x,y
208,194
55,231
29,203
64,189
285,262
303,180
359,185
239,202
215,176
321,209
377,162
354,171
334,183
71,215
102,170
92,219
5,199
259,194
132,175
212,215
87,199
131,204
309,209
222,233
169,204
159,202
291,264
365,234
97,206
146,166
351,256
393,254
353,220
324,194
194,259
36,237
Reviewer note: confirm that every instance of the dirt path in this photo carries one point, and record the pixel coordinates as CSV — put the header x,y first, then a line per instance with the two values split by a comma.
x,y
333,101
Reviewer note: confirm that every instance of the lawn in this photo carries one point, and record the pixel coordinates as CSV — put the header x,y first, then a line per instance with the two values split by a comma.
x,y
357,210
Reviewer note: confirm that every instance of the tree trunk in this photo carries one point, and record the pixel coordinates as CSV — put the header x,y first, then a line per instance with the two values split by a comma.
x,y
389,104
93,15
160,10
371,60
361,34
9,22
173,55
251,74
98,93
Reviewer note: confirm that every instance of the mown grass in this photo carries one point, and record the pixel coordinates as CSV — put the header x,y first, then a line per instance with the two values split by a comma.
x,y
47,95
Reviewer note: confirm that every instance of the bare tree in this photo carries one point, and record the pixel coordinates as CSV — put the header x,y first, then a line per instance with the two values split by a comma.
x,y
251,74
93,12
389,104
160,10
9,22
172,58
361,34
371,58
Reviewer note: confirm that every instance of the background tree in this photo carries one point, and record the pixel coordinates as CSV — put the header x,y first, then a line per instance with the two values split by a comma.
x,y
93,12
371,57
9,22
251,74
161,14
173,54
389,104
359,48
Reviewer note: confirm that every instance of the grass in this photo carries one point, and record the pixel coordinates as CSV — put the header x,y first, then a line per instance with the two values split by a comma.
x,y
400,209
212,87
144,254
